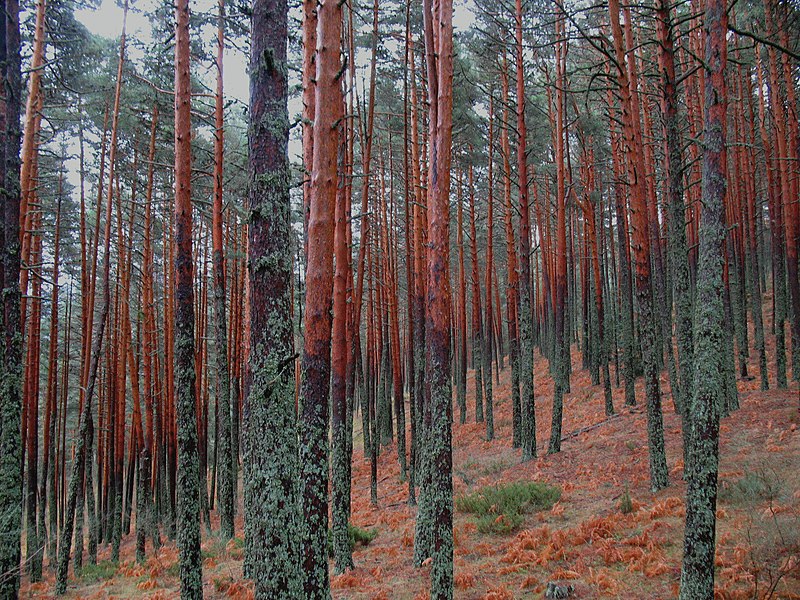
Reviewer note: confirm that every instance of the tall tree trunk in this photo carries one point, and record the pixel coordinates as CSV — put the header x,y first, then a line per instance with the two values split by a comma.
x,y
562,347
528,432
85,430
11,387
188,482
146,522
461,324
316,362
435,517
477,313
512,276
678,250
410,224
697,574
647,325
30,389
48,452
366,141
340,485
588,207
624,286
227,485
780,197
752,239
271,488
488,347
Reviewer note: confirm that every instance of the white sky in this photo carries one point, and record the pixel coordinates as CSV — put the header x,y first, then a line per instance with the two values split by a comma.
x,y
106,21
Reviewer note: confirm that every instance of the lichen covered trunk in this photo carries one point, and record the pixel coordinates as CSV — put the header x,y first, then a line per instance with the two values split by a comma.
x,y
525,357
512,278
188,470
271,489
11,373
225,458
697,573
435,517
340,485
678,249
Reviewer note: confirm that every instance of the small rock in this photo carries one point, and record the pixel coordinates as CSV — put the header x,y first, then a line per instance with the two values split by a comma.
x,y
555,590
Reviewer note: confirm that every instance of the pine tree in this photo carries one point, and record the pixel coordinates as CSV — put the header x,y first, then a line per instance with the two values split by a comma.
x,y
11,368
271,490
227,483
315,386
188,471
697,574
436,503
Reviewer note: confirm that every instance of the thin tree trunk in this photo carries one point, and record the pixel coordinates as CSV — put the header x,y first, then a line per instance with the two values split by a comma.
x,y
316,362
562,339
188,482
528,431
461,323
678,250
435,516
489,345
647,325
512,277
48,452
224,441
340,485
477,313
84,429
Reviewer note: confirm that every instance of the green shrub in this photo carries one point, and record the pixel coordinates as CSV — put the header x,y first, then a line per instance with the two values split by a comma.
x,y
173,570
356,535
500,508
625,504
752,487
103,570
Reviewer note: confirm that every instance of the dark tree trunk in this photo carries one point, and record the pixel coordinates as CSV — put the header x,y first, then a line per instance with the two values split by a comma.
x,y
224,440
528,431
11,388
271,489
340,485
641,239
188,472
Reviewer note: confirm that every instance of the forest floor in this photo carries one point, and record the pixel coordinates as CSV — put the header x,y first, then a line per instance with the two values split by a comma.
x,y
585,539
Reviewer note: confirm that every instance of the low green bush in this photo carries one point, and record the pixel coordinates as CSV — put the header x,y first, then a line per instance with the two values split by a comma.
x,y
625,504
356,535
102,570
752,487
501,508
